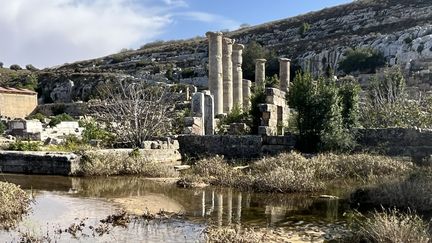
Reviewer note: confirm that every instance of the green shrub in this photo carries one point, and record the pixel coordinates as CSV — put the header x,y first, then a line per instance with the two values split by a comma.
x,y
94,131
15,67
3,127
38,116
304,28
320,107
188,73
60,118
24,146
388,104
258,97
363,60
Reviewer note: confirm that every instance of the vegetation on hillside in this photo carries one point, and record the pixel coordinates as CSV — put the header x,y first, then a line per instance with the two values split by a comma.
x,y
362,60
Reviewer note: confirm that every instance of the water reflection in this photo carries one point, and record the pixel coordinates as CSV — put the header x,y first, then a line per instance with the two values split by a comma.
x,y
222,206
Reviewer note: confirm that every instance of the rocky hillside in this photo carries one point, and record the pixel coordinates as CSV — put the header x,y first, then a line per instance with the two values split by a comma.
x,y
400,29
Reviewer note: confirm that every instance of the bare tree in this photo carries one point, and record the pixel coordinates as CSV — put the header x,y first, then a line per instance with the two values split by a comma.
x,y
135,111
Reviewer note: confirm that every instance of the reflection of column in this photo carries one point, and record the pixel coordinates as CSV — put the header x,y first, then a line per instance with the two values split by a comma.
x,y
284,73
239,208
220,209
248,200
260,72
216,69
203,204
332,210
211,209
237,59
227,75
229,207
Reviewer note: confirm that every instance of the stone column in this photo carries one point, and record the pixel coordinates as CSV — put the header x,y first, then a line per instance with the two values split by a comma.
x,y
198,111
215,69
247,85
260,72
237,59
284,73
209,114
227,74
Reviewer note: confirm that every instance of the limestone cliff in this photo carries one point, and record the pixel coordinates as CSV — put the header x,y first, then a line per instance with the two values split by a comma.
x,y
400,29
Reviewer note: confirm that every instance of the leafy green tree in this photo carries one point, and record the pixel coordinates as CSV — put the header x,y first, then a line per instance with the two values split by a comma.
x,y
255,51
319,107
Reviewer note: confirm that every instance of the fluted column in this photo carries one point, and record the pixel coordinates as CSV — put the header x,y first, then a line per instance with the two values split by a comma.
x,y
216,69
247,85
227,74
284,73
237,59
260,72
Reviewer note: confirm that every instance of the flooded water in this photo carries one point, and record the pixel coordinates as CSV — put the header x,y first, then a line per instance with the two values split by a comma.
x,y
62,201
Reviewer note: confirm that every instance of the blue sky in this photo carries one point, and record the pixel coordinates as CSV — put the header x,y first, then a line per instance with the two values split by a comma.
x,y
52,32
232,13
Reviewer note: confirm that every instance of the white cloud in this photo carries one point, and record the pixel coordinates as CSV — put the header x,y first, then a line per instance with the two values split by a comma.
x,y
222,21
50,32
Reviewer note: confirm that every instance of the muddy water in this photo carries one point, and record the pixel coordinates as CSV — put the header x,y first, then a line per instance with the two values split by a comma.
x,y
62,201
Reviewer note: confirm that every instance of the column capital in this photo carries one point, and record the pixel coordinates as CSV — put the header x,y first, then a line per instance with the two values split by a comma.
x,y
260,60
214,34
283,59
238,47
228,41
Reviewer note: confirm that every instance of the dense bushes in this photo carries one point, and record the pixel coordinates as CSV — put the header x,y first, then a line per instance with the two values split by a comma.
x,y
364,60
388,104
325,112
14,203
60,118
24,146
294,173
393,226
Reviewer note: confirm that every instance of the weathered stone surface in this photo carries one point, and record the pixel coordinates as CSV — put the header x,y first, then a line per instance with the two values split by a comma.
x,y
247,94
209,115
415,143
227,64
228,146
237,58
260,72
47,163
216,69
238,129
284,73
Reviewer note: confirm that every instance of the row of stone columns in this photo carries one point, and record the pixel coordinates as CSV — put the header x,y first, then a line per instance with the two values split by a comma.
x,y
284,73
226,74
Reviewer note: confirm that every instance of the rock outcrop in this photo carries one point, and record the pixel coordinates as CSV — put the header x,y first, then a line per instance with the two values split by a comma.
x,y
400,29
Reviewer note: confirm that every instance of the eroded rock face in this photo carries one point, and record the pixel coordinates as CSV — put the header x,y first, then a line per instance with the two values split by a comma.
x,y
400,29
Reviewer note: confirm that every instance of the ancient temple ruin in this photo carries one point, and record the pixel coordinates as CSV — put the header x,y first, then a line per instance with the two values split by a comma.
x,y
227,89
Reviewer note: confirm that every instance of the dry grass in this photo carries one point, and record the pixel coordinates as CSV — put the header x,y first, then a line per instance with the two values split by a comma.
x,y
123,164
294,173
394,226
412,193
14,203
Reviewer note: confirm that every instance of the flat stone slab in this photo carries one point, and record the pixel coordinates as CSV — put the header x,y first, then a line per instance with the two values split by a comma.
x,y
44,163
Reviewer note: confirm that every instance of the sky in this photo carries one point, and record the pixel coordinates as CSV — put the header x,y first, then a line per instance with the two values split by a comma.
x,y
47,33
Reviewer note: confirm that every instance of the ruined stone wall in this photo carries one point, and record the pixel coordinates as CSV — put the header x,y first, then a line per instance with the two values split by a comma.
x,y
409,142
233,146
17,105
44,163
